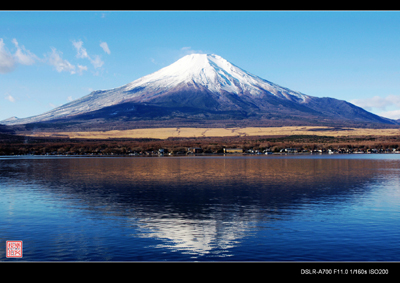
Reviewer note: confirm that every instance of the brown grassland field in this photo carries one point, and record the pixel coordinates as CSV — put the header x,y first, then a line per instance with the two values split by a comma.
x,y
211,140
187,132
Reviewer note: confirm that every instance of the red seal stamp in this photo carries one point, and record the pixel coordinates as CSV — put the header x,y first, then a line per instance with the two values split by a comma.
x,y
14,248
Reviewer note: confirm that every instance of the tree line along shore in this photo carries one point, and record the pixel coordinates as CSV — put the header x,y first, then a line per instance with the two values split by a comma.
x,y
23,145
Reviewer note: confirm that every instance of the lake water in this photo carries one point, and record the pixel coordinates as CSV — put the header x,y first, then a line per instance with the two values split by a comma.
x,y
202,208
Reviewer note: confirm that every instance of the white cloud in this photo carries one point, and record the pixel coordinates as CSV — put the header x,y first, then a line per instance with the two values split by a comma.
x,y
10,98
187,50
7,61
82,53
69,98
378,102
394,114
24,56
104,45
96,62
388,106
60,64
81,69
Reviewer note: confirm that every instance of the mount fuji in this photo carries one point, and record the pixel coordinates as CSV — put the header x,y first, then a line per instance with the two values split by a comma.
x,y
199,88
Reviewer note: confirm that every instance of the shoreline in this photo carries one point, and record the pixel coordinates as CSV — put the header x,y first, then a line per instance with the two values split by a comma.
x,y
198,155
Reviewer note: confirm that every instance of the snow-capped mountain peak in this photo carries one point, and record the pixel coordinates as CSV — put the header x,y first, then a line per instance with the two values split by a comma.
x,y
212,72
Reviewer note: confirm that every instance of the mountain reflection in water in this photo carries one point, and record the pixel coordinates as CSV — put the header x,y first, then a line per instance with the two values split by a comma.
x,y
196,205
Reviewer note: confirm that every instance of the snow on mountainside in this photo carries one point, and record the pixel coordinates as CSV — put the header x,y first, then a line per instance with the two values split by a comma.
x,y
11,119
208,71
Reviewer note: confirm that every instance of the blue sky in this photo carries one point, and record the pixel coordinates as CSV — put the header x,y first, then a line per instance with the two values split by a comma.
x,y
48,58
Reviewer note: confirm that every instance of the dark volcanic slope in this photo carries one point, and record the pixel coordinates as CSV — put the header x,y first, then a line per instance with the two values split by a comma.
x,y
167,113
203,104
